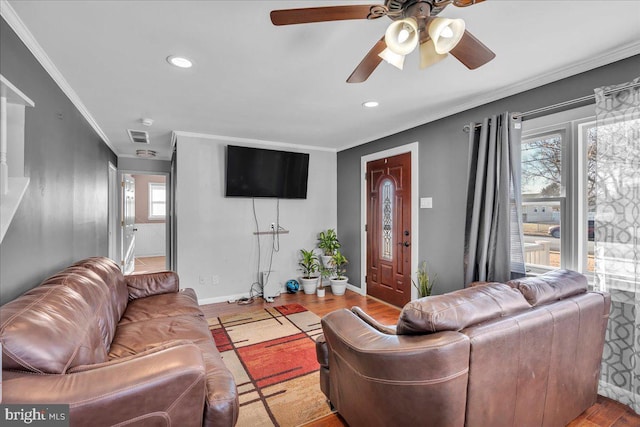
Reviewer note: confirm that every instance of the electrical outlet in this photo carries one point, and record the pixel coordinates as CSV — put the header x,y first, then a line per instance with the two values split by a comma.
x,y
204,280
215,280
273,226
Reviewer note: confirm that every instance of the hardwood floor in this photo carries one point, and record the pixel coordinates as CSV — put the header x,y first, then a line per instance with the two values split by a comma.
x,y
149,264
605,413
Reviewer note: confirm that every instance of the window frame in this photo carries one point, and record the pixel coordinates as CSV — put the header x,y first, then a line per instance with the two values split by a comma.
x,y
572,126
151,201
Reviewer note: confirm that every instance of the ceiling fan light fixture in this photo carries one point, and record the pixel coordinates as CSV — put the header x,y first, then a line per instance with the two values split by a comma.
x,y
428,54
392,58
402,36
446,33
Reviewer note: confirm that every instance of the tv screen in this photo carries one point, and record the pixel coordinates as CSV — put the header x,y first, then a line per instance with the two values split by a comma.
x,y
256,172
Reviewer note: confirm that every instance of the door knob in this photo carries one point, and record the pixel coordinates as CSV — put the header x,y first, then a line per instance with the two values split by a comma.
x,y
405,244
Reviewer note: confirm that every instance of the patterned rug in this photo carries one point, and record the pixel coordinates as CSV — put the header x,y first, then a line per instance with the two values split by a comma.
x,y
271,353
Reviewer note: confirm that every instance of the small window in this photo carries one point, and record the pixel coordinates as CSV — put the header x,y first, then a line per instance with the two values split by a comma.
x,y
157,200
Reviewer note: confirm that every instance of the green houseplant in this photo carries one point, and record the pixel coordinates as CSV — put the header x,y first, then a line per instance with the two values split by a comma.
x,y
339,281
329,244
425,282
325,274
309,265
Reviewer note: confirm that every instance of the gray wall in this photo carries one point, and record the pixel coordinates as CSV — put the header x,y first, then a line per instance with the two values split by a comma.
x,y
63,216
443,152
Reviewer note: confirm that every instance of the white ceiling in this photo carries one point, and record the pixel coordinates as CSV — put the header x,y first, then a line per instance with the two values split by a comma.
x,y
253,81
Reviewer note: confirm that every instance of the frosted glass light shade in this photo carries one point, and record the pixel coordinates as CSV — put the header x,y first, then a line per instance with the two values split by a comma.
x,y
392,58
428,54
446,33
402,36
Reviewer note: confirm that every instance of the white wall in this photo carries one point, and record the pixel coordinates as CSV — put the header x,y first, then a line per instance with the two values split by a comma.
x,y
150,239
216,248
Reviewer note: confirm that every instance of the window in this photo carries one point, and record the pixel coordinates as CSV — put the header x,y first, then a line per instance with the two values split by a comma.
x,y
558,197
157,200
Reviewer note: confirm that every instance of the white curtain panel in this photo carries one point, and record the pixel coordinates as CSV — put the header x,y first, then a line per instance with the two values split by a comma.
x,y
617,236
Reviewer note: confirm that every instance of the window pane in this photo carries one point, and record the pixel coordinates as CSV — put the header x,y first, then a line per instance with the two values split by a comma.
x,y
158,194
591,195
158,209
541,226
387,220
541,166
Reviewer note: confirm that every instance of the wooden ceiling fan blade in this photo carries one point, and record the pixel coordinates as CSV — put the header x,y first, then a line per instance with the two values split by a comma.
x,y
465,3
327,13
368,64
471,52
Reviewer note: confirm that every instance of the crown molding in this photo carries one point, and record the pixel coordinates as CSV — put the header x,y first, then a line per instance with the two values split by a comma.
x,y
16,24
176,133
623,52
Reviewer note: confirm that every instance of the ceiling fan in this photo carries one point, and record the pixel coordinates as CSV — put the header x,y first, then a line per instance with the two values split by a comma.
x,y
415,23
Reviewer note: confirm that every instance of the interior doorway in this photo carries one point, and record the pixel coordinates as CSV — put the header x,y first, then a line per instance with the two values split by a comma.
x,y
144,222
390,224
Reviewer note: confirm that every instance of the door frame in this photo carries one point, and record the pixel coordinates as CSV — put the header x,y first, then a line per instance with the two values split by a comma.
x,y
114,213
169,215
407,148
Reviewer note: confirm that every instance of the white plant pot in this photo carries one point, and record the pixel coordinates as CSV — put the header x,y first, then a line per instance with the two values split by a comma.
x,y
320,292
327,261
338,287
309,285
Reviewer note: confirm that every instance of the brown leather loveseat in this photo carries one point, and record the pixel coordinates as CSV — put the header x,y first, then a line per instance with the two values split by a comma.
x,y
526,353
127,350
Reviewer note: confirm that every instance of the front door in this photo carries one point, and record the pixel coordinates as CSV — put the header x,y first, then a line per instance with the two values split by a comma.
x,y
128,223
389,229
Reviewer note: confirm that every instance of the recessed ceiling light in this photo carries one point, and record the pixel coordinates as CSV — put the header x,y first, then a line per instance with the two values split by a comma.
x,y
370,104
179,61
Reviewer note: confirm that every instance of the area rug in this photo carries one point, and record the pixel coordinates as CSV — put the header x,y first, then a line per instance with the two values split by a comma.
x,y
271,353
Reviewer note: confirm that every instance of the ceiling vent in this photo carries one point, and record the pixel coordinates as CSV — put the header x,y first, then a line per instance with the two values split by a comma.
x,y
138,136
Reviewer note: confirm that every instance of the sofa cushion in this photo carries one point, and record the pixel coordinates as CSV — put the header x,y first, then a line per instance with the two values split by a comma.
x,y
145,285
57,325
135,337
457,310
163,305
551,286
112,276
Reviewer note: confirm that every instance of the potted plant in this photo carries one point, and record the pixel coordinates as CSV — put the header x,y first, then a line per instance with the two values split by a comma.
x,y
339,281
309,265
425,283
329,244
325,274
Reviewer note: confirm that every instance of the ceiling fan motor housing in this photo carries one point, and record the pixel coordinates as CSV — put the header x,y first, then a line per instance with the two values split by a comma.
x,y
400,9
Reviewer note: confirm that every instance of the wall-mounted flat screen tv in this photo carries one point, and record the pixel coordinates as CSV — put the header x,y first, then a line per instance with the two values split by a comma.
x,y
256,172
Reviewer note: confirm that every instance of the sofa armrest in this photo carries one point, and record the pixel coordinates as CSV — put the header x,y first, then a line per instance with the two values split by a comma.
x,y
162,387
385,329
144,285
367,366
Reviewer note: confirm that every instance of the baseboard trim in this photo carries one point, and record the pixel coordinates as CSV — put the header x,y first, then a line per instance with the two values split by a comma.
x,y
226,298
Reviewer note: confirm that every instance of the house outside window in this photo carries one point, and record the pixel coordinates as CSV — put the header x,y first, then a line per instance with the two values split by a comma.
x,y
558,192
157,201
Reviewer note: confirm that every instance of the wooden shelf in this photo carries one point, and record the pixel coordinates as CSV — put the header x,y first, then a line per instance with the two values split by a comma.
x,y
271,232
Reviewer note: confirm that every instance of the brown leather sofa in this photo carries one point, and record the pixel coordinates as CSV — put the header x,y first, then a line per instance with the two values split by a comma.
x,y
120,350
526,353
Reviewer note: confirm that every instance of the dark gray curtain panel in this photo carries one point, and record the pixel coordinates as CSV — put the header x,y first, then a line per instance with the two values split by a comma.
x,y
493,249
